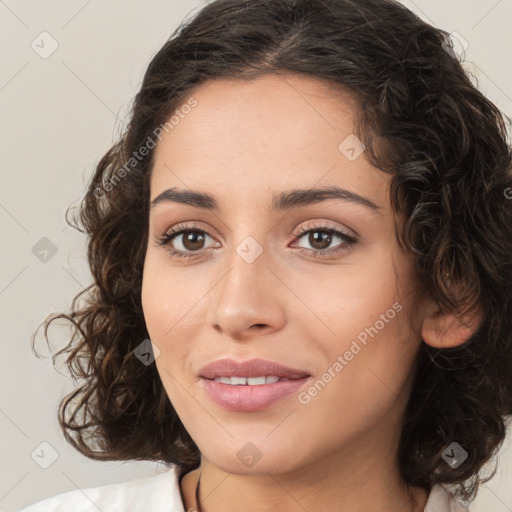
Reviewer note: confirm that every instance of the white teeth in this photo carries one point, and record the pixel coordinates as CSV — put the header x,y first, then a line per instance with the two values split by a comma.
x,y
248,381
255,380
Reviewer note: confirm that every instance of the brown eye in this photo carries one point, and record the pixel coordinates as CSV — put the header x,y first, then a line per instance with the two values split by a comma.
x,y
320,240
189,242
184,241
192,240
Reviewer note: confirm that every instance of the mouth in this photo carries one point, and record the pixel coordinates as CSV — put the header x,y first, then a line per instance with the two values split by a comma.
x,y
254,368
250,381
250,386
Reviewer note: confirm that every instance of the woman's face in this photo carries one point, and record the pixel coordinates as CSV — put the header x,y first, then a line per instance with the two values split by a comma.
x,y
253,287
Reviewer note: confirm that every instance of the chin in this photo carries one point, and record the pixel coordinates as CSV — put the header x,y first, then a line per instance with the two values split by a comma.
x,y
258,457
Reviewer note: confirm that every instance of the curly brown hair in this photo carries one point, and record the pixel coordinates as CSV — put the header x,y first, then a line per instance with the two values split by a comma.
x,y
450,161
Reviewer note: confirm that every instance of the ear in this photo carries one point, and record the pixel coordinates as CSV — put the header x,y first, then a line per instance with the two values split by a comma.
x,y
444,329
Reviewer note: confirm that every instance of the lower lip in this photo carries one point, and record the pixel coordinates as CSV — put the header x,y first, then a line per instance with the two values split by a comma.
x,y
251,398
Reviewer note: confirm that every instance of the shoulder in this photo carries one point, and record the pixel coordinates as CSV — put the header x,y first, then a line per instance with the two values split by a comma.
x,y
442,500
159,493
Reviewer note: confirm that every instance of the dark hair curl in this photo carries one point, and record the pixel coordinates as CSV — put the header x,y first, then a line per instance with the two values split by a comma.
x,y
447,150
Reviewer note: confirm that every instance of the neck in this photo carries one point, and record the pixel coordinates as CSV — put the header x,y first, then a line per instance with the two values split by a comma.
x,y
366,484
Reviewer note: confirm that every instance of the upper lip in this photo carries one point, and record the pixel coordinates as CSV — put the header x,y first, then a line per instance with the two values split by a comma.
x,y
251,368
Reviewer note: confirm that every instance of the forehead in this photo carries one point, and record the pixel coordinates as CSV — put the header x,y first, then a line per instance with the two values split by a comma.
x,y
269,133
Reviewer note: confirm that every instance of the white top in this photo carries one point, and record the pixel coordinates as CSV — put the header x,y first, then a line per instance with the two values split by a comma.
x,y
161,493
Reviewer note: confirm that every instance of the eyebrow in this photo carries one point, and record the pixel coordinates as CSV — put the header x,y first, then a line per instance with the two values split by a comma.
x,y
280,202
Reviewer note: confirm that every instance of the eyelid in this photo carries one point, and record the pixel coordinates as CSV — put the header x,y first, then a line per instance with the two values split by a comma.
x,y
183,227
325,224
315,224
188,226
347,244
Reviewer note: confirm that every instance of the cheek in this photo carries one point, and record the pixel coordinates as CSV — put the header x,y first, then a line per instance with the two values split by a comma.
x,y
162,311
173,312
367,316
350,298
167,296
155,305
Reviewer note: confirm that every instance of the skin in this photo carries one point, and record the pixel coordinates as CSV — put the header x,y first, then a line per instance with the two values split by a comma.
x,y
243,142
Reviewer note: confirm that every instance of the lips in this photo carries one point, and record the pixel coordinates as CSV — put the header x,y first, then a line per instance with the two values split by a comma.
x,y
252,368
237,386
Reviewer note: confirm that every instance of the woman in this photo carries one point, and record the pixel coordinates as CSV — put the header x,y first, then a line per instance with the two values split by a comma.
x,y
302,276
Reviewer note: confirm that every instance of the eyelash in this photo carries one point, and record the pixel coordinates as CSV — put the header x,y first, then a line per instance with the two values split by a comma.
x,y
349,241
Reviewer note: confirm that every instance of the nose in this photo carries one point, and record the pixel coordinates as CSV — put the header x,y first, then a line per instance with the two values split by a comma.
x,y
248,299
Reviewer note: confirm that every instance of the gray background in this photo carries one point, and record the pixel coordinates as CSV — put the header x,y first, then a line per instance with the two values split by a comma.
x,y
59,115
